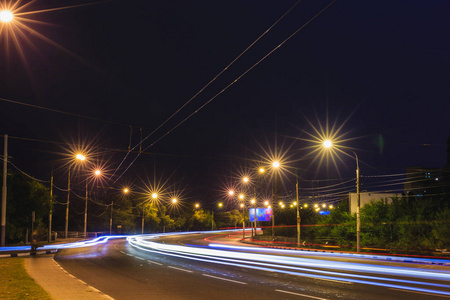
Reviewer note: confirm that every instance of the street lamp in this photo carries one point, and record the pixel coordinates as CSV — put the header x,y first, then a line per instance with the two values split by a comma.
x,y
78,157
243,220
253,201
328,144
97,173
6,16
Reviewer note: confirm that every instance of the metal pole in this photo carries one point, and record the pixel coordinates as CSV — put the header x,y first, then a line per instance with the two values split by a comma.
x,y
67,206
85,211
212,220
358,207
142,231
5,173
50,215
243,222
256,220
110,219
298,217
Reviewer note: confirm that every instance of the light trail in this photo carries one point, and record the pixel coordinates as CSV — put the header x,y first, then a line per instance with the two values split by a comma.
x,y
304,267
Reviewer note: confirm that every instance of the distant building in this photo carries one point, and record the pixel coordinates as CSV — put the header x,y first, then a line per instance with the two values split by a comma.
x,y
367,197
422,182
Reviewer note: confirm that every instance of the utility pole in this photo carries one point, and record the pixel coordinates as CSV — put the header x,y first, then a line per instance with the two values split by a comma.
x,y
358,207
67,207
243,221
50,215
85,212
5,173
298,216
110,219
143,209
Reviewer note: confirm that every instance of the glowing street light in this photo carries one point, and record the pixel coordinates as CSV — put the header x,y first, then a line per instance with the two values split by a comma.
x,y
220,204
241,196
97,172
245,179
154,195
266,203
80,156
231,192
174,201
276,164
261,170
327,144
126,190
6,16
197,205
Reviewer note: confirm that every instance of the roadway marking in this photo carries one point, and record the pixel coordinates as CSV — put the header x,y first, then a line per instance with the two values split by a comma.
x,y
339,281
122,252
181,269
226,279
139,258
416,292
154,262
303,295
129,254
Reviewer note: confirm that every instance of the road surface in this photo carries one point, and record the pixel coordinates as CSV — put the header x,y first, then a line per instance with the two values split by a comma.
x,y
184,267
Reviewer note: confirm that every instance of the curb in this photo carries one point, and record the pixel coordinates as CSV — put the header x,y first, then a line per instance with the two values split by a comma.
x,y
28,253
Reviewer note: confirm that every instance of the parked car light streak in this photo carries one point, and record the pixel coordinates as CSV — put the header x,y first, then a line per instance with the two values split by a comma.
x,y
297,261
182,254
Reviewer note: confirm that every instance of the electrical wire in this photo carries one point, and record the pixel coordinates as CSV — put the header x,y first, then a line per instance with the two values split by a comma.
x,y
228,86
208,84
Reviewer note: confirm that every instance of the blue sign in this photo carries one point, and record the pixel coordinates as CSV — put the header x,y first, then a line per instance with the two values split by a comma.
x,y
262,214
324,212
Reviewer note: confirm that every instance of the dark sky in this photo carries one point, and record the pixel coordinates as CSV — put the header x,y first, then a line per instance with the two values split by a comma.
x,y
383,66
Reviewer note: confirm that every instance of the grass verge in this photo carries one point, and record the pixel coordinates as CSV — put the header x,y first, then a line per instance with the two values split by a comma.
x,y
15,282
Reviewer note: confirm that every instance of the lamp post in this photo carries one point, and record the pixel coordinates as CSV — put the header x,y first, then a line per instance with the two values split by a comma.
x,y
275,165
79,157
328,144
220,205
243,220
358,207
253,201
298,216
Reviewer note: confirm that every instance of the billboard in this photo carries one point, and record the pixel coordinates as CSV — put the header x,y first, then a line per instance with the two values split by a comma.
x,y
262,214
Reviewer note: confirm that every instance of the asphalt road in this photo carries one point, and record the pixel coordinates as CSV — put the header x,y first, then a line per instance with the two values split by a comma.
x,y
174,269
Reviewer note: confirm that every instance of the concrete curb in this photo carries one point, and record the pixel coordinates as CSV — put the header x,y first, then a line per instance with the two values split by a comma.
x,y
19,254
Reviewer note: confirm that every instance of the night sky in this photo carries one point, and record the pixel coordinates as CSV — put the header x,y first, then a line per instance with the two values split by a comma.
x,y
380,68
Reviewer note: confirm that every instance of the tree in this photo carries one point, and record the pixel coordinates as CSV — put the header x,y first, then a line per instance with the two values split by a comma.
x,y
25,196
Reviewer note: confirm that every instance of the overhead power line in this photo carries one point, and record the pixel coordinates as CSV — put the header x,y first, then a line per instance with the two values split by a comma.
x,y
204,87
224,89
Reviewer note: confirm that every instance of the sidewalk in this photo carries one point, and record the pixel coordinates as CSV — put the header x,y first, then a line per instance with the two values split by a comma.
x,y
57,282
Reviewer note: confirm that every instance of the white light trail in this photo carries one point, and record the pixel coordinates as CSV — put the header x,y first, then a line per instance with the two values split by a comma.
x,y
298,266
